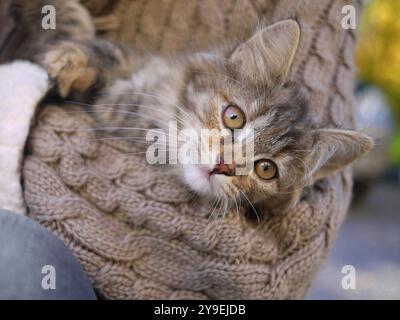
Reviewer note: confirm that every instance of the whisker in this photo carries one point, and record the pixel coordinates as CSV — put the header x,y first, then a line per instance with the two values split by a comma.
x,y
216,204
105,105
159,98
254,209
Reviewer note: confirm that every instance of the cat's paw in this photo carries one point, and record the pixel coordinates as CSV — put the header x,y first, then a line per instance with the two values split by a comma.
x,y
68,65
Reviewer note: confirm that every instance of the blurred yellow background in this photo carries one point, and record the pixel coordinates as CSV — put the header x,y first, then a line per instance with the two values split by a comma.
x,y
378,55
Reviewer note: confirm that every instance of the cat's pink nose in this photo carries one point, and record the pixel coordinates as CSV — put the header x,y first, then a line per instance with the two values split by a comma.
x,y
222,168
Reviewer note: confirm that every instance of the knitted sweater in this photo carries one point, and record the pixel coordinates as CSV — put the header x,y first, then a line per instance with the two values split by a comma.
x,y
134,228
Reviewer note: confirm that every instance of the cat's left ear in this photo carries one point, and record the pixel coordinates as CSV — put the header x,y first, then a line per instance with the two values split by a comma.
x,y
269,53
335,149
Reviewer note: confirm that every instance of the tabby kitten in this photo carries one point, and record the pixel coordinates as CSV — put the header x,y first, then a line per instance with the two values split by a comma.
x,y
241,86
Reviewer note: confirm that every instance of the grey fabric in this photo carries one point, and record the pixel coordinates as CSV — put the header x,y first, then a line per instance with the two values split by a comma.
x,y
26,248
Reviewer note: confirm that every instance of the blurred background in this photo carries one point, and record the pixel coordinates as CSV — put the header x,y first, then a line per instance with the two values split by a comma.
x,y
369,239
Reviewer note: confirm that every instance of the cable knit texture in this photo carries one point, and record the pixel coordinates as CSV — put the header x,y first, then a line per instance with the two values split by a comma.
x,y
135,228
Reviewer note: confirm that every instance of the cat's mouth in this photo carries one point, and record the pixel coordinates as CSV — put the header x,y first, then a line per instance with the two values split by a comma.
x,y
210,181
222,168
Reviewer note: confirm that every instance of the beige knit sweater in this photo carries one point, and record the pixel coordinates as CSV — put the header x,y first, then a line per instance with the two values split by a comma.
x,y
135,229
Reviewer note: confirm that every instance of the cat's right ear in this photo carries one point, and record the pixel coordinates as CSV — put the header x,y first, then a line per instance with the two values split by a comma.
x,y
335,149
268,54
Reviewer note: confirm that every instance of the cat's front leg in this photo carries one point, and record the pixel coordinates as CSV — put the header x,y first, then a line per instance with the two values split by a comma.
x,y
70,66
76,66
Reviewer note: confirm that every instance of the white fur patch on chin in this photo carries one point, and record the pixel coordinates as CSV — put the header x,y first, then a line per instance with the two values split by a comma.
x,y
22,86
195,178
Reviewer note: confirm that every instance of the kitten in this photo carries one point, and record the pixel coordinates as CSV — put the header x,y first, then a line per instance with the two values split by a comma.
x,y
241,86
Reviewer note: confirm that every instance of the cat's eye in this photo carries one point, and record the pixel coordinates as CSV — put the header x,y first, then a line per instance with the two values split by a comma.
x,y
266,169
233,117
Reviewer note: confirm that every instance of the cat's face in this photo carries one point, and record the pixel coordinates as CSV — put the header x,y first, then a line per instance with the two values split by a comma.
x,y
272,122
244,98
